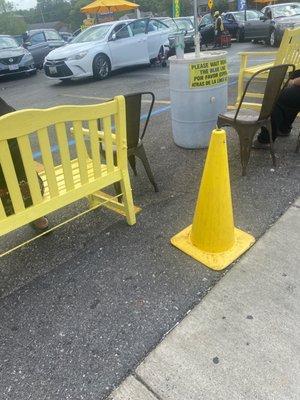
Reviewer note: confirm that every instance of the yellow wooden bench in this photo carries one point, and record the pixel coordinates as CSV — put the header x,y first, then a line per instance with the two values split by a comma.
x,y
73,172
288,53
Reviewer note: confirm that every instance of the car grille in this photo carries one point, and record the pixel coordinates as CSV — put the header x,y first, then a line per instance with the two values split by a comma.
x,y
62,70
11,60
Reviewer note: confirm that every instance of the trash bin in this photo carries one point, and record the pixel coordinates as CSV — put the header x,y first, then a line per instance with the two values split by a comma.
x,y
198,92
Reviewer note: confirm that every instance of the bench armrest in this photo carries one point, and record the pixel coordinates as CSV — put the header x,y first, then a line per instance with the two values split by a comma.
x,y
245,54
257,53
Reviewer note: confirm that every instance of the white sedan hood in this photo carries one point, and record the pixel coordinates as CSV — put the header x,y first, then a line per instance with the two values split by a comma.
x,y
70,49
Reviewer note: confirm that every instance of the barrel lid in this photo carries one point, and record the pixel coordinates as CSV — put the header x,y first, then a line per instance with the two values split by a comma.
x,y
204,56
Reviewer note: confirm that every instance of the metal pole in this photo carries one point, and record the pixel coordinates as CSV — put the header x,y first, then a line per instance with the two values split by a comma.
x,y
197,35
43,19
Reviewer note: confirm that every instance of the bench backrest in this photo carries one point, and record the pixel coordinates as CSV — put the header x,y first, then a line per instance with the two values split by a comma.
x,y
47,130
289,50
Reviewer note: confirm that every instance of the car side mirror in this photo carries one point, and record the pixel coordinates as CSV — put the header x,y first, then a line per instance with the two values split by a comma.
x,y
113,37
263,18
26,44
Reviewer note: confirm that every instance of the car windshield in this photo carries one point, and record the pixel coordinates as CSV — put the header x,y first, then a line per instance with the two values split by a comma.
x,y
286,10
7,42
92,34
184,24
170,23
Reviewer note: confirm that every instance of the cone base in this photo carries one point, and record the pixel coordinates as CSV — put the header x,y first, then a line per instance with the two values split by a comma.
x,y
215,261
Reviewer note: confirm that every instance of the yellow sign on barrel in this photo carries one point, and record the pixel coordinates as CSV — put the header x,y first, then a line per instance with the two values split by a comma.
x,y
208,73
210,4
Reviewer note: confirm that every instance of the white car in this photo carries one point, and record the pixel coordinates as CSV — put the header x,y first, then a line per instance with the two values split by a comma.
x,y
103,48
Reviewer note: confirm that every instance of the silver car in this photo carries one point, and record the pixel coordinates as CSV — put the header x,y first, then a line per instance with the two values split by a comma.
x,y
14,59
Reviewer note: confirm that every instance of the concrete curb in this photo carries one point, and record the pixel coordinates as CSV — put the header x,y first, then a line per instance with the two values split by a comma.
x,y
242,340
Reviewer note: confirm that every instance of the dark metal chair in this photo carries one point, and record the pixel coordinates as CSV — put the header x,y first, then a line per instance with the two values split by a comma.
x,y
135,147
247,122
134,139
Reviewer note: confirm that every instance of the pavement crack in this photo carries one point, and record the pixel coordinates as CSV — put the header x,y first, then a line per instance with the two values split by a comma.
x,y
141,380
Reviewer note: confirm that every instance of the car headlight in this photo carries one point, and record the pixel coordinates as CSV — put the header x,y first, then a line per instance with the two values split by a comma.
x,y
77,56
27,57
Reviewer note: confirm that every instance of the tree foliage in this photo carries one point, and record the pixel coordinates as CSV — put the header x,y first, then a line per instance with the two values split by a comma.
x,y
68,11
11,25
5,6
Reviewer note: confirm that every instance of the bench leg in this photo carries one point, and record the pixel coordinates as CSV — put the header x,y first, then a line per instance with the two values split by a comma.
x,y
127,198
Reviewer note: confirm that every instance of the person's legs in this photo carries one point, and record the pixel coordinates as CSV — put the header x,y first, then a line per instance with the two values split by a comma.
x,y
283,115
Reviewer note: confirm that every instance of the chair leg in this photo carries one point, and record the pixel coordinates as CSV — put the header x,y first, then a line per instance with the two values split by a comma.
x,y
132,163
298,144
141,154
269,127
246,137
127,199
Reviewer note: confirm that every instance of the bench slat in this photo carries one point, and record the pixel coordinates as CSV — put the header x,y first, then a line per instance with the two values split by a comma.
x,y
2,211
11,177
30,166
62,141
109,153
81,151
94,140
48,161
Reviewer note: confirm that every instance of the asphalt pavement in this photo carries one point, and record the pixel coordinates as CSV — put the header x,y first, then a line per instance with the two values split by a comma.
x,y
81,307
242,341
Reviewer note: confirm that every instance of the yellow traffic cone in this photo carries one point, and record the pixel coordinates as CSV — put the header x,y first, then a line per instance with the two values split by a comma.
x,y
212,239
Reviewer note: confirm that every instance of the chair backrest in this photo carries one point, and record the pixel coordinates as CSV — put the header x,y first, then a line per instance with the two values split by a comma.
x,y
46,132
133,103
275,82
289,50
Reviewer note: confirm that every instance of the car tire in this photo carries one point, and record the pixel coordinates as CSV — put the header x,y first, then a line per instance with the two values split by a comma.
x,y
273,41
239,35
101,67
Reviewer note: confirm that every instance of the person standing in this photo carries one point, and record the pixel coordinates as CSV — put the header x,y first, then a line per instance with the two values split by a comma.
x,y
219,28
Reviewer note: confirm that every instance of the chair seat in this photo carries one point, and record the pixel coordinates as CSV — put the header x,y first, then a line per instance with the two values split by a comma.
x,y
245,115
59,174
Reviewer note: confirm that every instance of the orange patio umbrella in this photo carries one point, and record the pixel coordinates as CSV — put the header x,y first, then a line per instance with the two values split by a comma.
x,y
108,6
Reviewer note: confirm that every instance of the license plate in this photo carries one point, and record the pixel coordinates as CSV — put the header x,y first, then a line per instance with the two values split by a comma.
x,y
13,67
52,70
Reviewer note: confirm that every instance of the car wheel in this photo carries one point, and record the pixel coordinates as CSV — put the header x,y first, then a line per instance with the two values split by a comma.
x,y
273,39
101,67
239,35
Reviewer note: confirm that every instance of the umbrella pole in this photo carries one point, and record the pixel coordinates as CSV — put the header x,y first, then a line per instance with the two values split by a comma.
x,y
197,35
